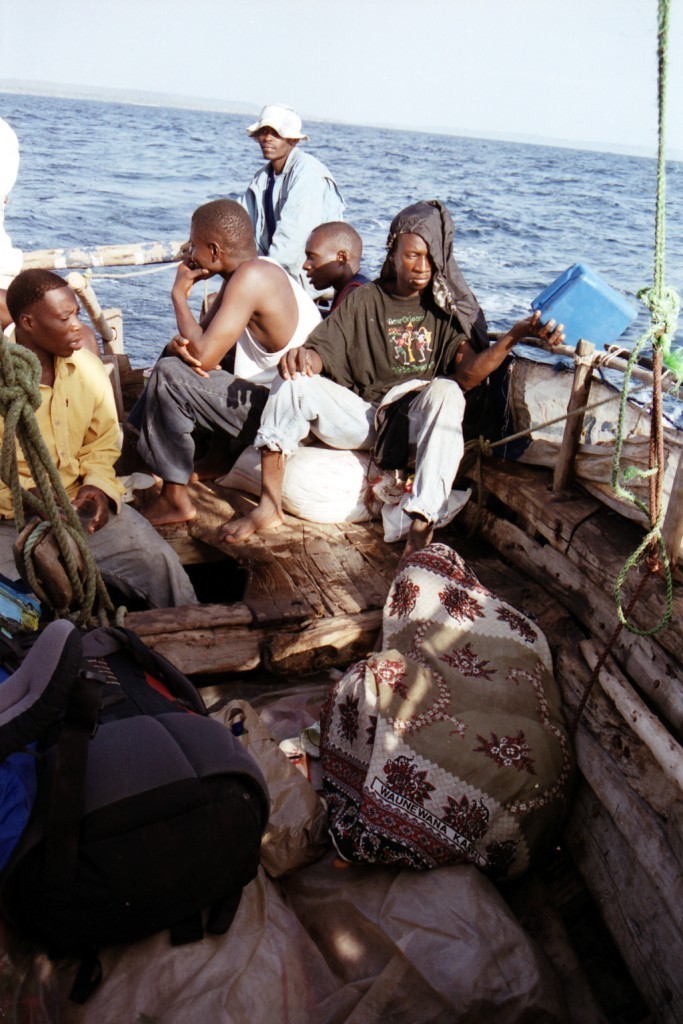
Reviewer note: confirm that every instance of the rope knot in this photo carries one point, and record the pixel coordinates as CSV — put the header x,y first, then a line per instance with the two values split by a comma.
x,y
480,446
664,305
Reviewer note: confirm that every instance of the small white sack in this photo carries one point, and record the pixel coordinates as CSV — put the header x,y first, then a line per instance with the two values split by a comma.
x,y
321,485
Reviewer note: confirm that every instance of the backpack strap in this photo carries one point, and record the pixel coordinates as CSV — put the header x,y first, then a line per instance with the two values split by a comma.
x,y
33,698
116,644
68,786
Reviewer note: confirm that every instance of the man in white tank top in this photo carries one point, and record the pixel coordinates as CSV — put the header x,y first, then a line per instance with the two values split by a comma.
x,y
216,372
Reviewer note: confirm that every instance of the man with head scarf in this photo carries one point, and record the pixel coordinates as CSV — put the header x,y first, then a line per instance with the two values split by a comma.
x,y
291,194
367,355
10,257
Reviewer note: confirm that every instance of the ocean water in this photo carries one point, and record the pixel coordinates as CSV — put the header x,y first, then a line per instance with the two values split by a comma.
x,y
96,173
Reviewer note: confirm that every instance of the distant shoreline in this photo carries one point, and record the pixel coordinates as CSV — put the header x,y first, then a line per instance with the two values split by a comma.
x,y
177,101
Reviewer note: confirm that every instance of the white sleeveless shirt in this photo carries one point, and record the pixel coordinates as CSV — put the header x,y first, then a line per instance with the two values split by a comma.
x,y
255,363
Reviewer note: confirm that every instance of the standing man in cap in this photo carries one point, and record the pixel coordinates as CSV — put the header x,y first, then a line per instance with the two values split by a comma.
x,y
291,194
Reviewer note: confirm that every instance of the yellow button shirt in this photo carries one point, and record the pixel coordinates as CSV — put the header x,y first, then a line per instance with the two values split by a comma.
x,y
78,422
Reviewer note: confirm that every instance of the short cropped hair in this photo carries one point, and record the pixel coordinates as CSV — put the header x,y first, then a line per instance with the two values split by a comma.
x,y
342,236
229,221
31,286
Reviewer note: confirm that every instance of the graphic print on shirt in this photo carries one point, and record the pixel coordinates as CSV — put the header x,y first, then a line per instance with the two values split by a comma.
x,y
409,344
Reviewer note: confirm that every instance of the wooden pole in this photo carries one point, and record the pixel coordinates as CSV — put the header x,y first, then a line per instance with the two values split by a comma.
x,y
608,361
666,751
564,467
135,254
113,345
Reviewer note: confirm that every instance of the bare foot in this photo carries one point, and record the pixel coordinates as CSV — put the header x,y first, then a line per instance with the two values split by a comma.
x,y
419,536
162,511
259,520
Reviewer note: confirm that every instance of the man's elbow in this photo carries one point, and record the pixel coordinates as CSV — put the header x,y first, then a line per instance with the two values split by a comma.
x,y
467,379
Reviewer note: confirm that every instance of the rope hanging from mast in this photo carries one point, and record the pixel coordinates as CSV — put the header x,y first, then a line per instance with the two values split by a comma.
x,y
664,305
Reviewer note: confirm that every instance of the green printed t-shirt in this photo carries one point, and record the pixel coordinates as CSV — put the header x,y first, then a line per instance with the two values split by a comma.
x,y
375,340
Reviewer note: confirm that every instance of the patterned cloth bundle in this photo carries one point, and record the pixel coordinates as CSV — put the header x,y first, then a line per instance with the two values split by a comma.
x,y
449,745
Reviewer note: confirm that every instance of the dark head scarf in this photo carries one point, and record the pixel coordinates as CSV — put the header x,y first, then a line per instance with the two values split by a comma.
x,y
431,221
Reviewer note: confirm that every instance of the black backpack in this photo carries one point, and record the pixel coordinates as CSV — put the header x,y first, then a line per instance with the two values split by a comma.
x,y
147,813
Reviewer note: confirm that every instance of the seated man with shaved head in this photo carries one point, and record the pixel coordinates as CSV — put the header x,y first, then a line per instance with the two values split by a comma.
x,y
333,255
217,371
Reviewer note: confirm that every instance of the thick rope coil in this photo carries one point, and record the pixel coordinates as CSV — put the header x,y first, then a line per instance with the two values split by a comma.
x,y
19,396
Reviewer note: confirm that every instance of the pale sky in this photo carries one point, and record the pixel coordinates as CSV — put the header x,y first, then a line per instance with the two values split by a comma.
x,y
583,71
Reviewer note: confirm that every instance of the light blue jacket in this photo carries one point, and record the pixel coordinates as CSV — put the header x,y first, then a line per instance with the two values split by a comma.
x,y
304,195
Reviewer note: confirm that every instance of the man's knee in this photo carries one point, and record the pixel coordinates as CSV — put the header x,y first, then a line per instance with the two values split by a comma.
x,y
442,393
168,371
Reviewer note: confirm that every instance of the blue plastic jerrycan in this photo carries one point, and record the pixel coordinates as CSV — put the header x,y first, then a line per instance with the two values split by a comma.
x,y
587,306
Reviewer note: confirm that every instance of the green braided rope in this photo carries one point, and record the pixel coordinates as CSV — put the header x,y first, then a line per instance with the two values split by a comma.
x,y
19,397
664,306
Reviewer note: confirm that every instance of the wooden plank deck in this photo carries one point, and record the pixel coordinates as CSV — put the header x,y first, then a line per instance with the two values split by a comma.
x,y
314,593
313,597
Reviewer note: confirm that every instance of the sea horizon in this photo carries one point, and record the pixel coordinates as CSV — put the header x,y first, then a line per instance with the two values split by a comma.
x,y
98,171
179,101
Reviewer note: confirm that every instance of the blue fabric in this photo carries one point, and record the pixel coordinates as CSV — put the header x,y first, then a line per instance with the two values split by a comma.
x,y
17,794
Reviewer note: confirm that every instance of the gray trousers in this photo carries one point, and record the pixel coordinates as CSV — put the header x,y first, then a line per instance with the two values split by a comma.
x,y
344,420
130,554
177,400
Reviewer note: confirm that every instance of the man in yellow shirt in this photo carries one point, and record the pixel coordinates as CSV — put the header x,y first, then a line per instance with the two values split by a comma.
x,y
77,420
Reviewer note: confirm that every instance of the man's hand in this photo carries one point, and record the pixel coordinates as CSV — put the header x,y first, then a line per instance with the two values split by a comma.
x,y
186,277
531,327
177,346
300,360
92,506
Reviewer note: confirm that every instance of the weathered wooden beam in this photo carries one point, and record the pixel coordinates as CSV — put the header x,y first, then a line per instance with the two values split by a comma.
x,y
579,396
609,360
164,621
578,526
128,254
625,835
631,759
663,747
655,674
527,491
210,639
644,924
210,651
326,643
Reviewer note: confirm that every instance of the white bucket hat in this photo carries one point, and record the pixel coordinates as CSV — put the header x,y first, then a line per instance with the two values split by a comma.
x,y
284,120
